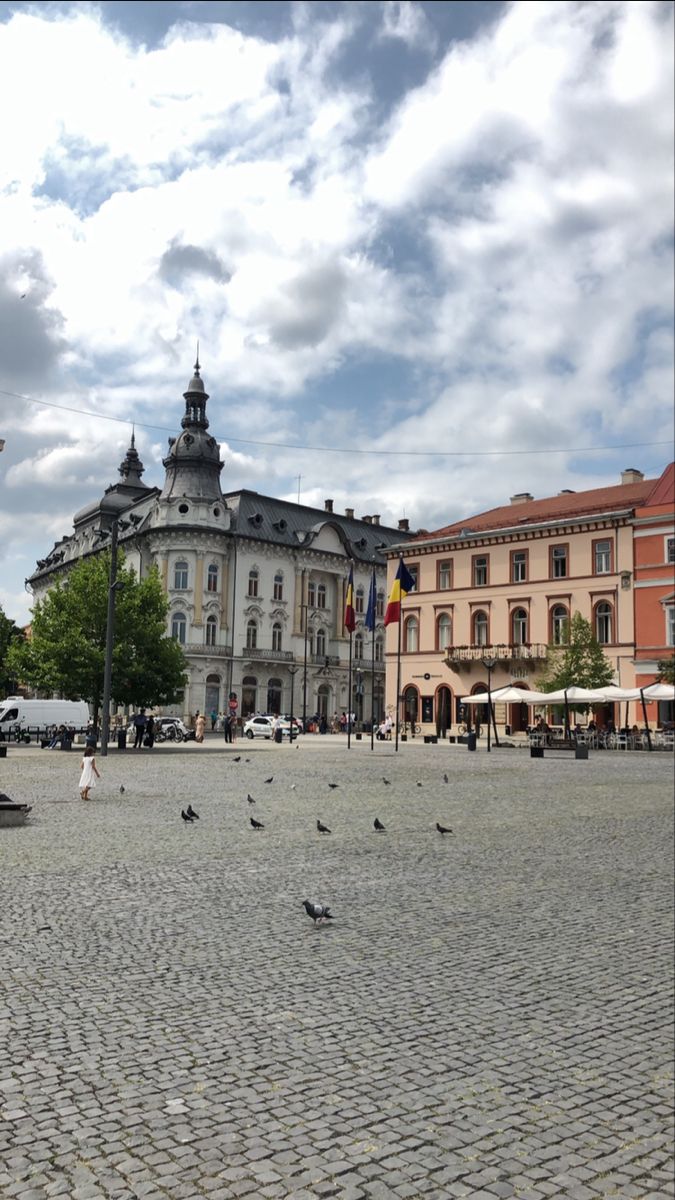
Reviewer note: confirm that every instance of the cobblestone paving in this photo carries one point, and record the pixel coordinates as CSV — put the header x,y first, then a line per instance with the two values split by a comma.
x,y
489,1015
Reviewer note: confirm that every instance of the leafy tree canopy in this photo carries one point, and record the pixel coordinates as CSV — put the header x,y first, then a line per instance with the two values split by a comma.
x,y
10,634
581,662
66,652
666,670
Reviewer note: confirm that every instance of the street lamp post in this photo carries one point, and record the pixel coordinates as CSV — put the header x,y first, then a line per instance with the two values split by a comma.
x,y
109,639
489,664
305,616
359,698
292,671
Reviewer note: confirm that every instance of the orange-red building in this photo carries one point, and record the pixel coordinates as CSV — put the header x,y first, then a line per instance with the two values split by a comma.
x,y
654,584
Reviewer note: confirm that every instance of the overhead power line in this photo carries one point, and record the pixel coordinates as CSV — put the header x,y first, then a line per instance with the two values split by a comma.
x,y
295,446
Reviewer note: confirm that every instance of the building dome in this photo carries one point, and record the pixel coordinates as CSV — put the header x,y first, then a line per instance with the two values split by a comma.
x,y
193,463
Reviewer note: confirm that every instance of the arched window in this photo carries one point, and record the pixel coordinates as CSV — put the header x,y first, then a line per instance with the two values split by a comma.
x,y
519,626
379,605
444,628
180,576
358,606
276,636
321,596
378,650
358,646
278,586
311,593
249,685
212,578
253,578
210,631
179,627
321,641
559,625
410,705
412,629
603,623
274,696
251,635
480,629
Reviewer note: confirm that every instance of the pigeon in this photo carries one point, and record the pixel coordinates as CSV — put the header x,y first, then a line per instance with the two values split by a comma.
x,y
418,783
378,826
192,814
445,779
387,781
322,828
250,798
333,785
270,780
238,758
256,824
293,786
318,912
122,789
442,828
247,760
185,817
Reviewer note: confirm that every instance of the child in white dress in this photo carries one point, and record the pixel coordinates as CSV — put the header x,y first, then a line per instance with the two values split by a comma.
x,y
89,774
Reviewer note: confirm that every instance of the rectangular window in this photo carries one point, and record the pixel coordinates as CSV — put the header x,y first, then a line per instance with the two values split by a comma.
x,y
670,549
518,566
480,571
602,557
415,573
445,575
670,625
559,562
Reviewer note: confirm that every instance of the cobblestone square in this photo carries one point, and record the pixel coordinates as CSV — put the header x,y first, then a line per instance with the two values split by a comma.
x,y
489,1014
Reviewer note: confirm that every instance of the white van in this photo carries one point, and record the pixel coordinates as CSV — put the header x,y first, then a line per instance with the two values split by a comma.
x,y
15,712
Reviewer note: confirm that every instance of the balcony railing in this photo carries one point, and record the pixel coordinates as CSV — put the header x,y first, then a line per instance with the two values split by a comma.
x,y
199,648
325,660
271,655
464,656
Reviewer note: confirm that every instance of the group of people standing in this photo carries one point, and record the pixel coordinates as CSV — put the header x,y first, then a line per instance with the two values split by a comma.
x,y
144,729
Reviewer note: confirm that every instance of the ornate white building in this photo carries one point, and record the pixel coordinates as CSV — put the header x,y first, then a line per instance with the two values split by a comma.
x,y
256,586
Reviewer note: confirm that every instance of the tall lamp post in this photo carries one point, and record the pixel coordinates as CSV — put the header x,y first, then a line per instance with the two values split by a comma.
x,y
304,608
359,689
292,671
109,637
489,664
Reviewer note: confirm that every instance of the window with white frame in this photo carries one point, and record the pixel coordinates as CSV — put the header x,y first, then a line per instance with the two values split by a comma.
x,y
251,635
670,625
253,580
321,641
179,627
480,629
311,593
212,578
603,623
559,625
519,566
276,636
180,576
519,626
278,592
603,557
321,595
412,630
358,646
358,599
559,562
444,627
379,653
670,550
210,629
445,575
480,571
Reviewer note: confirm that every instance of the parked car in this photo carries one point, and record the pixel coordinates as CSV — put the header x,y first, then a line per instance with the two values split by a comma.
x,y
298,726
167,729
263,726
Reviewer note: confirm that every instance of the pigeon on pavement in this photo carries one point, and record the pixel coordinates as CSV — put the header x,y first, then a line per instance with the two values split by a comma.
x,y
256,824
318,912
442,828
293,786
445,779
237,759
122,789
377,825
270,780
185,817
333,785
387,781
250,798
192,814
322,828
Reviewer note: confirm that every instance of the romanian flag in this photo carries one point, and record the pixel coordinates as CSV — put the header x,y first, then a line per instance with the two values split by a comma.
x,y
403,584
350,614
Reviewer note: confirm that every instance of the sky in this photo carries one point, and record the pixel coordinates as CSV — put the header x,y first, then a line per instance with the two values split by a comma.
x,y
426,249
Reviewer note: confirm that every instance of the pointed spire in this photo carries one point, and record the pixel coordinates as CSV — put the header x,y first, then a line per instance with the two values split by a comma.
x,y
197,358
133,437
131,467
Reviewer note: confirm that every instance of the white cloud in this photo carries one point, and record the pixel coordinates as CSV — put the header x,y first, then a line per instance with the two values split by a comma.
x,y
405,20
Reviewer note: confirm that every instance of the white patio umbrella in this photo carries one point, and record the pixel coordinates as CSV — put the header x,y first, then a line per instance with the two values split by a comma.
x,y
570,696
504,695
659,691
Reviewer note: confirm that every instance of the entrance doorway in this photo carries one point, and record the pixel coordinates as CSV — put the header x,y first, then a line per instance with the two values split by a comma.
x,y
443,710
212,694
323,700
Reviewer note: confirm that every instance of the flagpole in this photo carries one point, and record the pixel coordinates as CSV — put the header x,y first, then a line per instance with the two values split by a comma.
x,y
349,696
398,679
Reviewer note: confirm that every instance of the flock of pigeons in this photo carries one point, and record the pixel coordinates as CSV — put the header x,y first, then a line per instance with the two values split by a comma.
x,y
318,912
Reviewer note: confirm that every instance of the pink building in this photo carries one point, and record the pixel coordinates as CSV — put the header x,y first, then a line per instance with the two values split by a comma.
x,y
502,585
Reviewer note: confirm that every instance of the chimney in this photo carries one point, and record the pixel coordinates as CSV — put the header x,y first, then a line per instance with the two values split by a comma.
x,y
376,518
368,520
630,475
567,492
521,497
328,505
403,524
349,512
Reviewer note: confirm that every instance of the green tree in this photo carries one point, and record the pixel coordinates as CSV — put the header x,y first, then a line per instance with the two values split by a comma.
x,y
10,635
666,670
581,662
66,652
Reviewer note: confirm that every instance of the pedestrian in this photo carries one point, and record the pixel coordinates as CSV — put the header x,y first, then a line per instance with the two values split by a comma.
x,y
90,772
227,728
149,739
214,717
57,738
200,725
139,723
233,726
